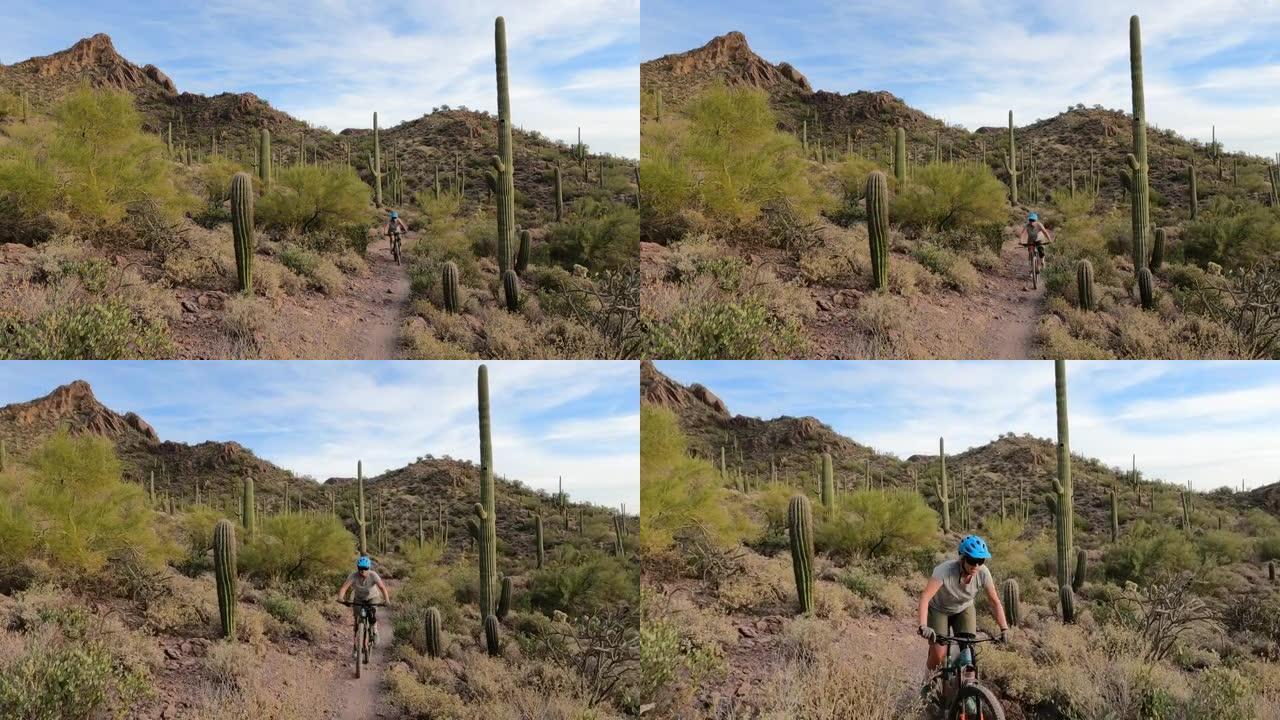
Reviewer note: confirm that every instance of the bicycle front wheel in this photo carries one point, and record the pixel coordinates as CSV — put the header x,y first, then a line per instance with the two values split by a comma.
x,y
359,643
976,702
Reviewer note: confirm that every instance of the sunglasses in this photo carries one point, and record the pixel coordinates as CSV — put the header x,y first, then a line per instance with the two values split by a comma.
x,y
975,562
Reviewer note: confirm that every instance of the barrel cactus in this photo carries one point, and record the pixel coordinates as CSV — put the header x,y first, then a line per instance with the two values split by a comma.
x,y
1012,599
1067,604
800,529
1146,291
1078,575
224,573
511,290
504,599
878,227
449,282
242,229
492,636
1084,285
434,633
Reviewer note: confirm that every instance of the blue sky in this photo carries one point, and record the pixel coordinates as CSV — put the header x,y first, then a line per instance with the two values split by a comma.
x,y
578,419
333,62
968,62
1210,423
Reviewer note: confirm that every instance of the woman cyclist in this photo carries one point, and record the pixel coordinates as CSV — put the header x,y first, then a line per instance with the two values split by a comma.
x,y
946,605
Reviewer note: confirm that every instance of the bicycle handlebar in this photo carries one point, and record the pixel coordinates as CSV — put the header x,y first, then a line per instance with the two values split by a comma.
x,y
950,640
365,604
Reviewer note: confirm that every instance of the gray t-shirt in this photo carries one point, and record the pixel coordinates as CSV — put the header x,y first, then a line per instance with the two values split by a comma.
x,y
955,595
365,589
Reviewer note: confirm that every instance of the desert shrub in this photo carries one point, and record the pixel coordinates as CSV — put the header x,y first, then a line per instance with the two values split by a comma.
x,y
877,523
944,196
1268,548
1070,206
304,619
215,177
313,197
70,508
106,330
197,535
581,583
1222,692
680,494
668,663
957,272
1147,553
77,679
744,330
1255,614
728,159
319,270
92,162
10,105
1221,547
298,548
596,235
1232,234
852,175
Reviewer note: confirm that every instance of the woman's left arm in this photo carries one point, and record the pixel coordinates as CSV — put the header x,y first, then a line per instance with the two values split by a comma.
x,y
997,606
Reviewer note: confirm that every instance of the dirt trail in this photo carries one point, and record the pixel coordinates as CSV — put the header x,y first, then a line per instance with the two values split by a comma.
x,y
1012,306
360,699
368,322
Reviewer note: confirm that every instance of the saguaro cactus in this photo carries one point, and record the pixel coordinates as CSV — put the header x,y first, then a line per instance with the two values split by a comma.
x,y
828,483
242,229
537,531
1082,567
434,633
1192,191
224,573
800,529
560,194
1115,516
449,282
376,166
361,521
1062,502
264,157
1011,163
4,456
504,598
1012,600
900,156
1157,250
522,254
1084,285
1146,289
1067,603
484,528
511,289
502,163
1135,179
944,492
492,636
619,530
878,227
248,511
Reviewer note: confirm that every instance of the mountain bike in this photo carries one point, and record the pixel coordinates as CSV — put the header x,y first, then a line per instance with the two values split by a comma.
x,y
395,245
955,685
1037,262
364,638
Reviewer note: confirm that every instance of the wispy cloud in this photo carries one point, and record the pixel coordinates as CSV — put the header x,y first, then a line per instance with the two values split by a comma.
x,y
1207,423
334,62
572,419
1206,62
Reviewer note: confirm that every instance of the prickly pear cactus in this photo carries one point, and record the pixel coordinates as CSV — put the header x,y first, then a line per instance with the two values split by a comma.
x,y
511,290
449,282
878,227
224,573
492,636
242,229
434,633
1146,290
800,529
1012,600
1084,285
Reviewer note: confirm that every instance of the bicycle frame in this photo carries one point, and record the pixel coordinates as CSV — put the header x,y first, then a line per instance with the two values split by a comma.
x,y
949,676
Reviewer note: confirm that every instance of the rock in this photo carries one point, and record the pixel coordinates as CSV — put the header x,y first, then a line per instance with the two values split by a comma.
x,y
168,712
186,647
559,616
746,630
743,689
189,306
823,305
390,291
172,653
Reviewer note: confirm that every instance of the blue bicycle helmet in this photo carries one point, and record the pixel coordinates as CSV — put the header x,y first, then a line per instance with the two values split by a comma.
x,y
1030,218
364,563
974,547
394,215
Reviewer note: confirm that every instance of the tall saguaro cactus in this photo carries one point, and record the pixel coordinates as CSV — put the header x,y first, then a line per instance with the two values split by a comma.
x,y
434,633
248,511
264,157
484,529
828,483
224,573
1115,516
361,522
1195,195
1062,502
502,163
900,156
376,167
1136,177
878,227
1011,163
559,195
242,229
800,529
943,490
537,531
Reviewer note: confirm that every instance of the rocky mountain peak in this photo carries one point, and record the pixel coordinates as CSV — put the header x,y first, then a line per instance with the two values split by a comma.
x,y
75,407
95,58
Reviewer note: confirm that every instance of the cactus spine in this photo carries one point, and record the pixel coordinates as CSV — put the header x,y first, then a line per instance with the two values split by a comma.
x,y
503,163
560,194
450,284
242,229
944,494
224,572
1062,502
511,289
1157,250
900,156
1012,600
434,633
828,483
1135,178
1084,285
485,529
537,531
492,637
264,157
504,599
878,227
1011,163
1146,290
800,529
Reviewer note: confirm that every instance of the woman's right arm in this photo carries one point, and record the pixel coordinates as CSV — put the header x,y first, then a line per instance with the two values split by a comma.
x,y
930,590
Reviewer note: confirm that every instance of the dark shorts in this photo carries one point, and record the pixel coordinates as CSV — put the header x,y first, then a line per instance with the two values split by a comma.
x,y
965,621
373,613
1040,249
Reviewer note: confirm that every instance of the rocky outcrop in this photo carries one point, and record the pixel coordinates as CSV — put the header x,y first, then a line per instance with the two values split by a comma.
x,y
75,407
95,59
730,58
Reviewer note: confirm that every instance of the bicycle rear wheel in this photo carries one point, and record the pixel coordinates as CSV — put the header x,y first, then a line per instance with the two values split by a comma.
x,y
976,702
